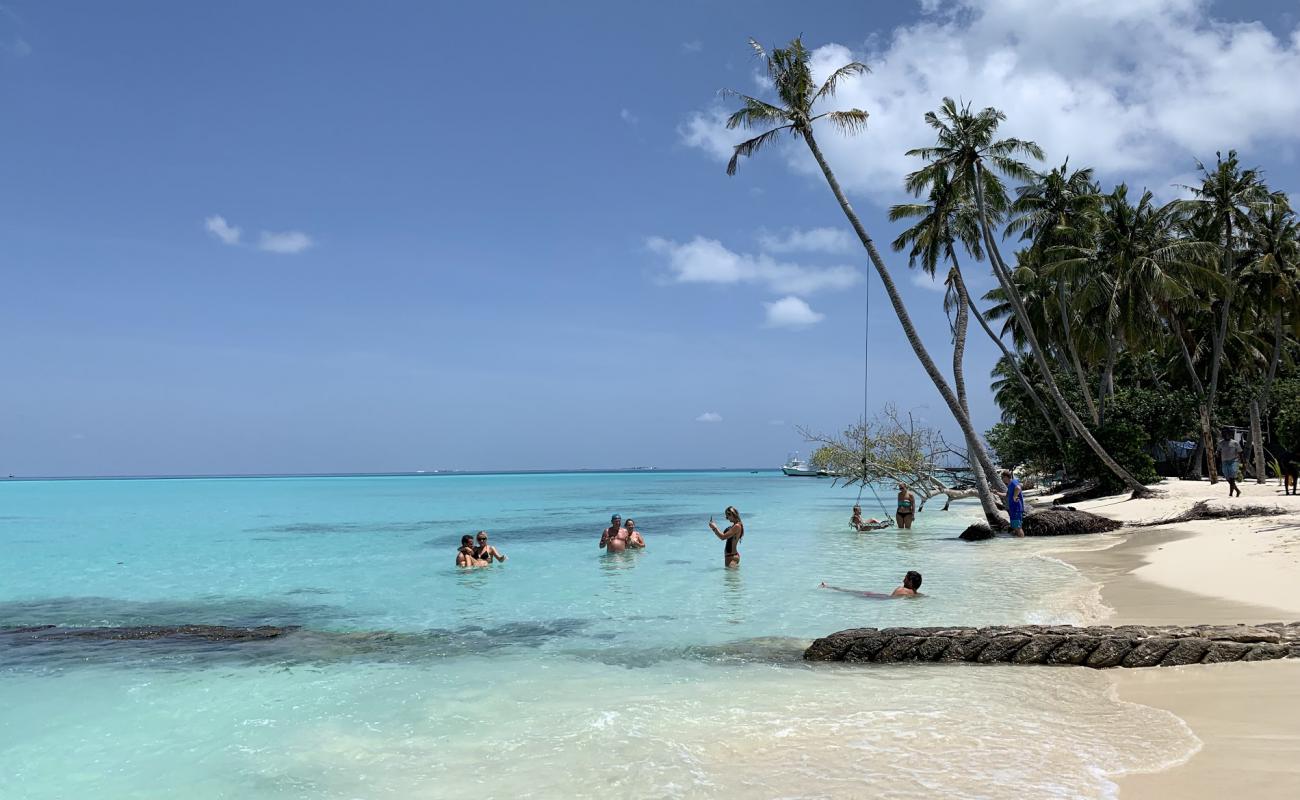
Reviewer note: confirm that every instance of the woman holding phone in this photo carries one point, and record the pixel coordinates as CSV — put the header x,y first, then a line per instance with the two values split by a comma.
x,y
731,536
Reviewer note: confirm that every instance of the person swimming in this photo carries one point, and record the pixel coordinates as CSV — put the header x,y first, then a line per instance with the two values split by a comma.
x,y
731,536
465,554
910,588
614,538
486,552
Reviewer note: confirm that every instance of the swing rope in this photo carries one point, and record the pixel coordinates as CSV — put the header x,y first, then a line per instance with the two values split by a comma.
x,y
866,405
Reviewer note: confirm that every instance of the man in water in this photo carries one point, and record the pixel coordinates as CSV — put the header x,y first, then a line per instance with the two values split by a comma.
x,y
1015,502
486,552
614,538
465,555
1229,453
634,538
910,588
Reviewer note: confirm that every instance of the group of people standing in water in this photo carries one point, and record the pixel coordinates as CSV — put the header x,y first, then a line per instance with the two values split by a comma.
x,y
619,537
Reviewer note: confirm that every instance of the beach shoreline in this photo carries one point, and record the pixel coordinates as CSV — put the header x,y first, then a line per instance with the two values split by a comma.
x,y
1222,571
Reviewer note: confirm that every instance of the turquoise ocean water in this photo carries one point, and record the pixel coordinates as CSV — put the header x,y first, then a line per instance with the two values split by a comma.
x,y
562,673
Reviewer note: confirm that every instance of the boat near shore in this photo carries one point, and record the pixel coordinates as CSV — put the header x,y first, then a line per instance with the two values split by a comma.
x,y
796,467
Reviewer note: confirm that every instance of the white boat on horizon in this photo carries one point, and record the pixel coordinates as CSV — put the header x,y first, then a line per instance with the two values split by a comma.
x,y
796,467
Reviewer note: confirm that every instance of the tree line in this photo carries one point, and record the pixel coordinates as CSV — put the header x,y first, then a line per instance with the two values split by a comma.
x,y
1122,322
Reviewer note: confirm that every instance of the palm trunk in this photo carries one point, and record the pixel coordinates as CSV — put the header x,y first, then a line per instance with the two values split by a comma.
x,y
1008,286
1106,385
1020,375
1259,406
1203,409
991,512
959,372
1220,336
1074,354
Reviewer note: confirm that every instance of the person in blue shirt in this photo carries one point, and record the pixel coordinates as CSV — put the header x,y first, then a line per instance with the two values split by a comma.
x,y
1015,502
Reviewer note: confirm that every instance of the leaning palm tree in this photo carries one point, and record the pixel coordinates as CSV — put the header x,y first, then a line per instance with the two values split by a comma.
x,y
793,116
965,141
941,224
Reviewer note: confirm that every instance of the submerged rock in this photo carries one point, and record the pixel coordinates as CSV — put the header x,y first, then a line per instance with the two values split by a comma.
x,y
1096,646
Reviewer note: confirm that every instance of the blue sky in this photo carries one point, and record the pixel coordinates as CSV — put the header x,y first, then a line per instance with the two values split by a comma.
x,y
490,236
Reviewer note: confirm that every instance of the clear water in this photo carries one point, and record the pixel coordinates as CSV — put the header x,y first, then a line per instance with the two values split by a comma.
x,y
562,673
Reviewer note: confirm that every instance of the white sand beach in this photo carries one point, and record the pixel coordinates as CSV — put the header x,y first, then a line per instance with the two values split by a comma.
x,y
1247,716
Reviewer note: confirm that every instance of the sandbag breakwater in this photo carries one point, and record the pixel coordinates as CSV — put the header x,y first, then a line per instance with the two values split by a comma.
x,y
1096,646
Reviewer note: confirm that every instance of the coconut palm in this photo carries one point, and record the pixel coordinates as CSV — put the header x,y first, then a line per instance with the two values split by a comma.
x,y
965,143
941,223
1057,208
1272,277
793,116
1221,206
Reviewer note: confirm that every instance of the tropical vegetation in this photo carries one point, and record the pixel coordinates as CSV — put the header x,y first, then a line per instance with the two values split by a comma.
x,y
1126,325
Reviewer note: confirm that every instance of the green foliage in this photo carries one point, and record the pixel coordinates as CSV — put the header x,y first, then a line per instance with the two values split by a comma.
x,y
1286,427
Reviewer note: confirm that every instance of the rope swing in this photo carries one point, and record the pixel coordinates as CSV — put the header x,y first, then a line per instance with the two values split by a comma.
x,y
866,409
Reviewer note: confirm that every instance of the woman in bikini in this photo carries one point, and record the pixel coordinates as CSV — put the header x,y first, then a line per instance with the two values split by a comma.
x,y
731,536
906,511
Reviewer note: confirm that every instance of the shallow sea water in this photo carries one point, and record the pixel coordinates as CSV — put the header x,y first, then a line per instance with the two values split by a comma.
x,y
562,673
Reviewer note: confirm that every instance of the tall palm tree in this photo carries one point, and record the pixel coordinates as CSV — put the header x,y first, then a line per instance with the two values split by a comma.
x,y
965,141
932,240
794,116
1222,205
1272,277
1056,208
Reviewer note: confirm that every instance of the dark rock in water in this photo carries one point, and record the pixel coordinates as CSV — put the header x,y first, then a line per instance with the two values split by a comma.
x,y
1096,646
1065,522
976,533
205,633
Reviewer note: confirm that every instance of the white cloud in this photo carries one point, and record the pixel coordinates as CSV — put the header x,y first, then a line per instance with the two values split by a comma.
x,y
709,416
285,242
218,227
693,46
791,312
813,240
1136,89
704,260
925,281
628,117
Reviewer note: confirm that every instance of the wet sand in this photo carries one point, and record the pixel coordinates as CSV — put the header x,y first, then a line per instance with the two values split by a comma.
x,y
1247,716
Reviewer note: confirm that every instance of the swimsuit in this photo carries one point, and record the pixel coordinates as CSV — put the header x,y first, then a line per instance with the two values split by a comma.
x,y
904,508
729,551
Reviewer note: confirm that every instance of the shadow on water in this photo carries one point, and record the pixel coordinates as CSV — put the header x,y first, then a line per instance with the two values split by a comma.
x,y
651,525
90,612
352,527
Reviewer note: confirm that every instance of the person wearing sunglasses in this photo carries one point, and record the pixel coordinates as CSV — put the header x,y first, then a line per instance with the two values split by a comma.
x,y
486,552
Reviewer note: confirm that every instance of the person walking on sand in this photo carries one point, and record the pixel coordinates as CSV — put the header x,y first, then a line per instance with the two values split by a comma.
x,y
614,538
906,511
1015,502
731,536
486,552
634,538
1229,454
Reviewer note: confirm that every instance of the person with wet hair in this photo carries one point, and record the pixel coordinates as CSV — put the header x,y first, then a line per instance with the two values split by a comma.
x,y
486,552
634,538
910,588
465,555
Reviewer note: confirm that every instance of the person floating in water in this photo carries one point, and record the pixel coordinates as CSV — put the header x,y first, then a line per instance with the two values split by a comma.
x,y
1015,502
731,536
1229,454
465,555
634,539
614,538
910,588
906,511
486,552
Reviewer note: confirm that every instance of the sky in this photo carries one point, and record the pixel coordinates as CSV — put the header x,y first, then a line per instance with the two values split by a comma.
x,y
258,237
